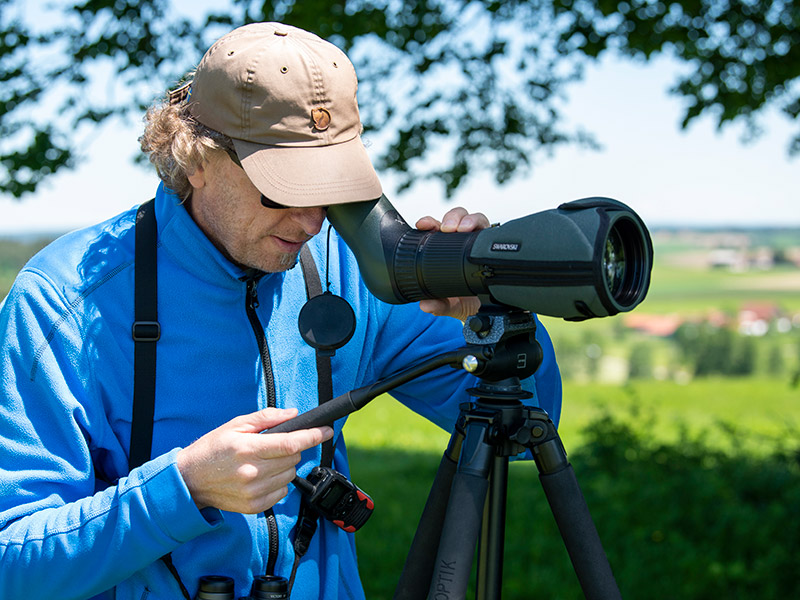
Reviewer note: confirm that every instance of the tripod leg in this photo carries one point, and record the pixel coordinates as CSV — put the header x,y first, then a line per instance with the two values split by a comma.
x,y
463,519
576,525
489,583
418,570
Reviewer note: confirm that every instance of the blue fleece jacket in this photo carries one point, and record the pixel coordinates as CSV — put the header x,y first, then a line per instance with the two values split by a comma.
x,y
74,523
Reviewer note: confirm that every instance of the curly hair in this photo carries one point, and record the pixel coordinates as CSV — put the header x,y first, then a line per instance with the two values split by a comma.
x,y
176,143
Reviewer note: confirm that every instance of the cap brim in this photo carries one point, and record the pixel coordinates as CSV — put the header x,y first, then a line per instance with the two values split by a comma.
x,y
311,175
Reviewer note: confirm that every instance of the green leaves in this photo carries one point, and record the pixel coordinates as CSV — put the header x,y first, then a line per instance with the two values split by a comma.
x,y
76,64
448,88
744,54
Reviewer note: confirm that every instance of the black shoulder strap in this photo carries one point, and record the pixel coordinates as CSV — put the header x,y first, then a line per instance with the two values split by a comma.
x,y
324,372
146,331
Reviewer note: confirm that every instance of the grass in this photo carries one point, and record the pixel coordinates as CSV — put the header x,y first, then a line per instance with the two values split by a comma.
x,y
689,291
14,253
750,412
762,410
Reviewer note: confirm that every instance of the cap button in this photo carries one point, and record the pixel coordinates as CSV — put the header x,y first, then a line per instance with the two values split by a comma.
x,y
281,33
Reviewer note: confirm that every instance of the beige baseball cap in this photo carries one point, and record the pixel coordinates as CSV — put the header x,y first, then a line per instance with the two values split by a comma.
x,y
287,99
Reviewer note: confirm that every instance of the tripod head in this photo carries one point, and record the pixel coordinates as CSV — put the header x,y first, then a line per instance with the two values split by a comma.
x,y
506,338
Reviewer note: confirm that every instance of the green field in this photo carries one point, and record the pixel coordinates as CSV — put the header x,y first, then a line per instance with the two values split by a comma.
x,y
754,414
15,252
684,290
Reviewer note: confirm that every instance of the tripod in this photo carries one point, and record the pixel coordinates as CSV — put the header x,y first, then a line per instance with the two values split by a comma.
x,y
469,493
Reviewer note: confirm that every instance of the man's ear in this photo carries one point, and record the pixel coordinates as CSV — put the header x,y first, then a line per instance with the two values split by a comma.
x,y
197,178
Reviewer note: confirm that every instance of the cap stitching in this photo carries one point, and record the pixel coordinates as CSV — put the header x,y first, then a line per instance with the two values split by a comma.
x,y
319,89
247,93
317,82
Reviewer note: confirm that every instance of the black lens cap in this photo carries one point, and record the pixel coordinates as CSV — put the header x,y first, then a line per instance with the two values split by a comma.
x,y
327,322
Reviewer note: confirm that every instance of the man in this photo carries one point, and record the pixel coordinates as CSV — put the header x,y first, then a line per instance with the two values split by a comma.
x,y
250,154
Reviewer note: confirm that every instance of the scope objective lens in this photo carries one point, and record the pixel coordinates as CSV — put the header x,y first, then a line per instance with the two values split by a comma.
x,y
614,265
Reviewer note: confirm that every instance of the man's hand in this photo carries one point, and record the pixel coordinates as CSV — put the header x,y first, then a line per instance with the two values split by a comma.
x,y
455,220
237,469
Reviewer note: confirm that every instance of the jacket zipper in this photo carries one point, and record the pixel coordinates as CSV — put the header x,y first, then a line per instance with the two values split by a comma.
x,y
251,303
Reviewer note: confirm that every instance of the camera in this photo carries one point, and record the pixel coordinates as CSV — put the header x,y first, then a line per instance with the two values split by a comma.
x,y
336,498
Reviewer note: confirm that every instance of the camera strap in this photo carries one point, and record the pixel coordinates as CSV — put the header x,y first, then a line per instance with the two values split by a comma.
x,y
307,517
146,331
324,372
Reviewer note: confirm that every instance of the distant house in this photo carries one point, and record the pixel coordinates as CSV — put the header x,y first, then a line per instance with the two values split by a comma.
x,y
733,259
754,318
739,259
656,325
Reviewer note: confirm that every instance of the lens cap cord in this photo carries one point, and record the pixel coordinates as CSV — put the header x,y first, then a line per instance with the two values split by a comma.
x,y
326,321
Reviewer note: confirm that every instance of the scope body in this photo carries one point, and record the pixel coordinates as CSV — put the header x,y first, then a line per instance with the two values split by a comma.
x,y
587,258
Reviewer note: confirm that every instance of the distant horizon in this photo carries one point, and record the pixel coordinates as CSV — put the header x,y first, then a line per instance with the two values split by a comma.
x,y
32,235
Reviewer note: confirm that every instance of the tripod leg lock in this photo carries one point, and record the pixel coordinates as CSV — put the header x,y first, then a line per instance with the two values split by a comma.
x,y
550,457
539,434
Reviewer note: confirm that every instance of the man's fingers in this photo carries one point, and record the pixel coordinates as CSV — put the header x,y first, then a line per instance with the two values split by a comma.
x,y
435,306
455,219
460,308
449,222
473,222
273,445
452,218
428,224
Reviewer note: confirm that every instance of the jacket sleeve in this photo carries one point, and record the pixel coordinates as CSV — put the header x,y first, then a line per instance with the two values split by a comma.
x,y
63,533
408,335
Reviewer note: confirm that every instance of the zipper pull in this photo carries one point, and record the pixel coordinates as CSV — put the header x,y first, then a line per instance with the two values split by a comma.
x,y
252,293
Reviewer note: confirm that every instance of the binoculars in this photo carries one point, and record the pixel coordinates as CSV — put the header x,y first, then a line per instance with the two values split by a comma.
x,y
265,587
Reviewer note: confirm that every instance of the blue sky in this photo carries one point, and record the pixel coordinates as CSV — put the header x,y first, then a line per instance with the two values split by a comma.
x,y
670,177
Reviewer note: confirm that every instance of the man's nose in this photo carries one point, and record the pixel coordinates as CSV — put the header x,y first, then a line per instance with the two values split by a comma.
x,y
310,219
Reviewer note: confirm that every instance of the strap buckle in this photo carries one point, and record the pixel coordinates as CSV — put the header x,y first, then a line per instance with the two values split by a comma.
x,y
146,331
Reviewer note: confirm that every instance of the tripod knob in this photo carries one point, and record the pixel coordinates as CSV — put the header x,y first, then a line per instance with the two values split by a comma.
x,y
470,363
480,324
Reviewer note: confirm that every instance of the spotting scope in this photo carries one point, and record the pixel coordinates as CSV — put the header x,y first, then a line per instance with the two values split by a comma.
x,y
587,258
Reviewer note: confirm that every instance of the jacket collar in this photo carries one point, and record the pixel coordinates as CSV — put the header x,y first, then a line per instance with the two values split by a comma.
x,y
181,237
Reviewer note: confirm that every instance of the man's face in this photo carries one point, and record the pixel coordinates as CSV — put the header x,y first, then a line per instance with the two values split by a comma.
x,y
227,207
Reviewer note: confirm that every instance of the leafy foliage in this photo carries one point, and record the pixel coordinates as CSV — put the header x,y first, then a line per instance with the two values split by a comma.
x,y
449,88
85,64
684,514
716,350
743,54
